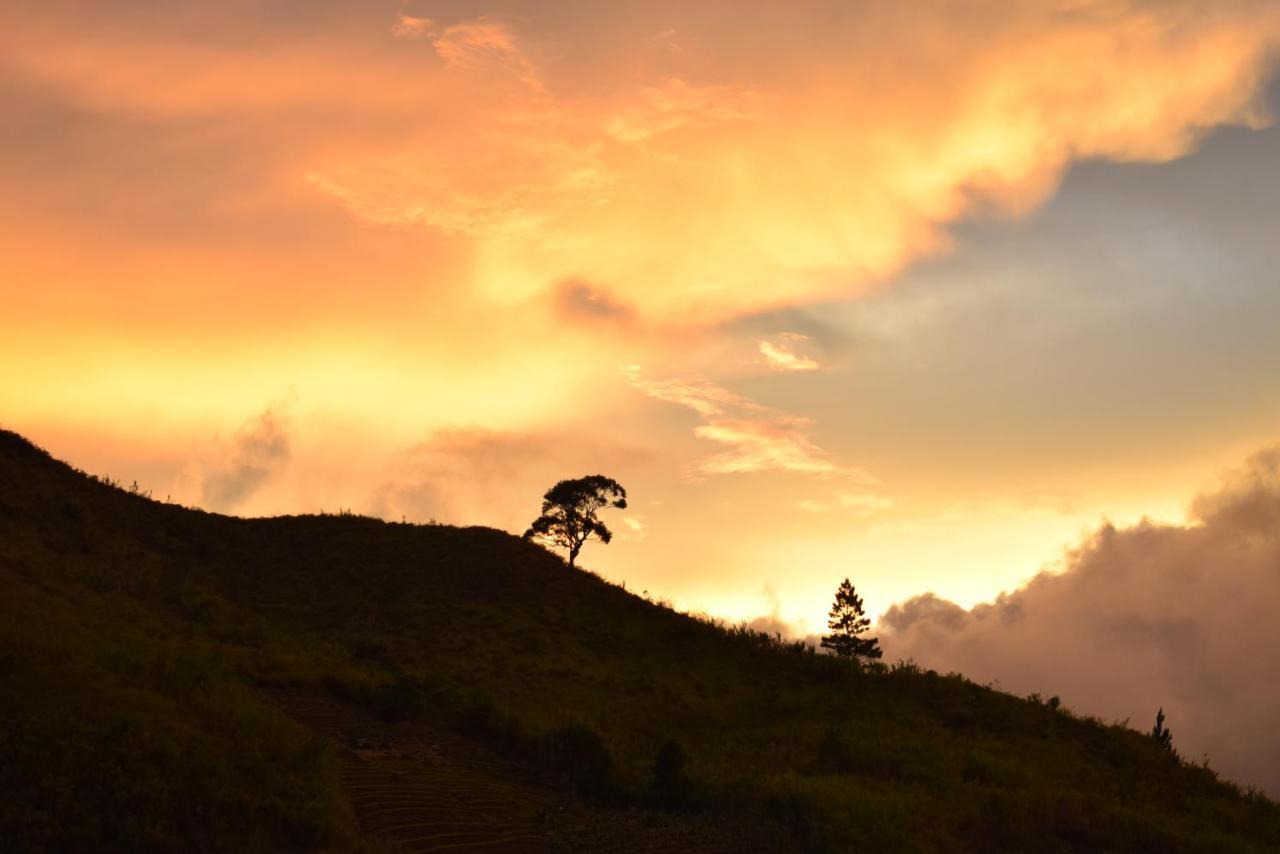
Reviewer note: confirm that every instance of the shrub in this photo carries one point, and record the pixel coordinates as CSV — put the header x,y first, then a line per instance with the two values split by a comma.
x,y
669,785
400,699
578,755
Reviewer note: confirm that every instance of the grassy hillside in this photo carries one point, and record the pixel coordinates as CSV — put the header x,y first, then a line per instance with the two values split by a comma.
x,y
174,680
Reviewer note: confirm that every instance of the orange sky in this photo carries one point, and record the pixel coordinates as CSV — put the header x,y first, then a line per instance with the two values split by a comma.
x,y
422,259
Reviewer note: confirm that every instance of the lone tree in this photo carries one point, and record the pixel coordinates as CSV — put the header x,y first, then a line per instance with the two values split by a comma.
x,y
846,621
1162,734
569,512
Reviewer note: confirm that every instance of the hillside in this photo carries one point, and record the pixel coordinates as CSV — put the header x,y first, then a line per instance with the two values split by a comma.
x,y
174,680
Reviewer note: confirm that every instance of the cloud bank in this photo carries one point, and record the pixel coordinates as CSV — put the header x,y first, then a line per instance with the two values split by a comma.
x,y
1179,616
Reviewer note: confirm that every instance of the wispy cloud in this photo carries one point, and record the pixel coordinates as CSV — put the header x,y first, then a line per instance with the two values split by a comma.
x,y
781,354
487,44
411,27
854,503
757,438
408,25
634,528
674,104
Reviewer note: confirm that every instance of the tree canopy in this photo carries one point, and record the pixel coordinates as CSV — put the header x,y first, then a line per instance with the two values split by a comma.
x,y
569,511
847,621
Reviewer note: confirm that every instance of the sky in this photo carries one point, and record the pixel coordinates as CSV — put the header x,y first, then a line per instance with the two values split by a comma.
x,y
926,295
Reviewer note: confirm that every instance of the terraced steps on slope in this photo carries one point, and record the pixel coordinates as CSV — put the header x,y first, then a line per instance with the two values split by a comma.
x,y
425,789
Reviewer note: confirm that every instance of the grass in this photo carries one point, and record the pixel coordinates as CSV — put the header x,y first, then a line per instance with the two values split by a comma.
x,y
162,668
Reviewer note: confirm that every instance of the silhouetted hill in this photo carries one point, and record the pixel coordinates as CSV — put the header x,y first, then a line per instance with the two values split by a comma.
x,y
174,680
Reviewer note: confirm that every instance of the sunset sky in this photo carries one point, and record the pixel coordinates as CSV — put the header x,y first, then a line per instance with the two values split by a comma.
x,y
919,294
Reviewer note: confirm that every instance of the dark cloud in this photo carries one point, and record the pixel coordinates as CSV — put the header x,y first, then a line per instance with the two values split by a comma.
x,y
259,450
1179,616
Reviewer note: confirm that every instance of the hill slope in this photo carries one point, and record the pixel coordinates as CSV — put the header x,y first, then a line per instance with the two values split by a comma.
x,y
176,680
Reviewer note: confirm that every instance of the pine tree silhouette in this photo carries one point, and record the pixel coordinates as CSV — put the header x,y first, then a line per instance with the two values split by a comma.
x,y
847,621
1162,734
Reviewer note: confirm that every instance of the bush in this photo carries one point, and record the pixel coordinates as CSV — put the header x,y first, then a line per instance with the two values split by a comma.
x,y
669,786
401,699
577,754
478,715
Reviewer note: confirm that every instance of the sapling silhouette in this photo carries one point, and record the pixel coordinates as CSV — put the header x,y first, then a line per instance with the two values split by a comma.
x,y
569,511
1162,734
847,621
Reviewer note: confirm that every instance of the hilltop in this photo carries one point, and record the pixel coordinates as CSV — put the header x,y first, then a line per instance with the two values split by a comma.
x,y
175,680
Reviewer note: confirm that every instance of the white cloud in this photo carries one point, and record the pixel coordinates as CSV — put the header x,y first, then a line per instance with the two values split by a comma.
x,y
756,437
782,355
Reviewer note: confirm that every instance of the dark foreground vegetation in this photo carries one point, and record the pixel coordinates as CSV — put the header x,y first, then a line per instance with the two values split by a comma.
x,y
172,680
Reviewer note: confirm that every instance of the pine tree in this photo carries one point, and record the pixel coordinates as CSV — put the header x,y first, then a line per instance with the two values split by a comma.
x,y
1162,734
847,621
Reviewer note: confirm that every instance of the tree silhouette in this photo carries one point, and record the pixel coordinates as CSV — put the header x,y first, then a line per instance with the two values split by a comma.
x,y
1162,734
847,621
569,512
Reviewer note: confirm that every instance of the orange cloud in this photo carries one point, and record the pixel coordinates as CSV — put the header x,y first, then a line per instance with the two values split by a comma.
x,y
487,45
729,177
693,164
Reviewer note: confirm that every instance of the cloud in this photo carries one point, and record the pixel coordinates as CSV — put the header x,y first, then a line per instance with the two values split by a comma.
x,y
853,503
779,443
774,624
401,190
757,438
411,27
487,44
1179,616
579,300
634,528
474,476
781,355
784,155
674,104
259,451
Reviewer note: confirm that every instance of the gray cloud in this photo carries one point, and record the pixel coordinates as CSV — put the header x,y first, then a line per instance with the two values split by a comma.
x,y
259,450
1179,616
